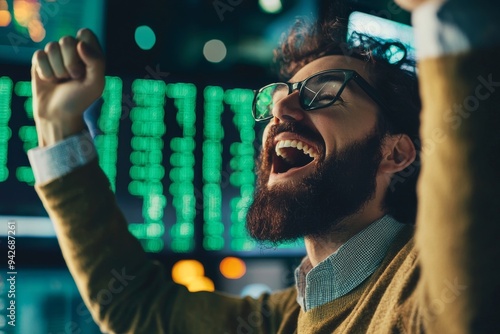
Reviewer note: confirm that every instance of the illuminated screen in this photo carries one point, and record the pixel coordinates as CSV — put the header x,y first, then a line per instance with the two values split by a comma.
x,y
384,29
180,159
27,25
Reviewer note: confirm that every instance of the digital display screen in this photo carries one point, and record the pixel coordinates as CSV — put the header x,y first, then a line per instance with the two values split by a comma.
x,y
384,29
180,159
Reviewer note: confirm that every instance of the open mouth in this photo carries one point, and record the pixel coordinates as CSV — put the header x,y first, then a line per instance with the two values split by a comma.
x,y
292,154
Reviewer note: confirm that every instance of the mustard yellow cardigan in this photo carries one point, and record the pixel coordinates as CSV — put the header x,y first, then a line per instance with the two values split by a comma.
x,y
444,280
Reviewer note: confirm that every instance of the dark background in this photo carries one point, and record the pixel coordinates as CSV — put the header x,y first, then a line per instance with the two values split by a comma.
x,y
184,26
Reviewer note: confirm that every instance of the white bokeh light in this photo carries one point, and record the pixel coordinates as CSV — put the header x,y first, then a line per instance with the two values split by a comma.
x,y
214,51
271,6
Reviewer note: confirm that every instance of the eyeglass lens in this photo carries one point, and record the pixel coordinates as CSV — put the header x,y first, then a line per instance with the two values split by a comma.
x,y
322,90
318,91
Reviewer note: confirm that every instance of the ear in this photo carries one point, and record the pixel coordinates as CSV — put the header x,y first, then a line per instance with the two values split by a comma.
x,y
398,152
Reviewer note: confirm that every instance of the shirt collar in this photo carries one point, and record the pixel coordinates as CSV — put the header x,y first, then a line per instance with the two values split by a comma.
x,y
348,267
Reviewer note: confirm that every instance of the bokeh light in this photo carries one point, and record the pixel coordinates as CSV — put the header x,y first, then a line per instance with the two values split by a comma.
x,y
232,267
214,51
201,284
271,6
255,290
145,37
185,271
5,18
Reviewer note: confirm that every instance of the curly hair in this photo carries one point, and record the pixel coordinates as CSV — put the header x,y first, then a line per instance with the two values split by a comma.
x,y
393,74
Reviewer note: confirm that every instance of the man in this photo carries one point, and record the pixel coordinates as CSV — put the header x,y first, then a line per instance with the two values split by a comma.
x,y
363,273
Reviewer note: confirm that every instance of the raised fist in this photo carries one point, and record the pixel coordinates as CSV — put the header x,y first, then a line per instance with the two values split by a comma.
x,y
67,77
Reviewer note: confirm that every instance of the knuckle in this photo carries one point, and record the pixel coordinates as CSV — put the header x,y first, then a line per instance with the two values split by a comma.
x,y
83,31
67,41
51,47
39,55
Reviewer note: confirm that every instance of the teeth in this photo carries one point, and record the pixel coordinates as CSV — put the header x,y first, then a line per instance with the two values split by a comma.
x,y
296,144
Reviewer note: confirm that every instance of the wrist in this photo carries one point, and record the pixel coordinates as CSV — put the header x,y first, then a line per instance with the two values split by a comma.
x,y
51,132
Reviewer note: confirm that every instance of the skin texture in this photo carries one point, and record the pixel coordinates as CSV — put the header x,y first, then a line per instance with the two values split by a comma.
x,y
335,128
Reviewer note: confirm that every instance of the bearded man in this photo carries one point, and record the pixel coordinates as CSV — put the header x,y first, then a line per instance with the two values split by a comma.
x,y
338,167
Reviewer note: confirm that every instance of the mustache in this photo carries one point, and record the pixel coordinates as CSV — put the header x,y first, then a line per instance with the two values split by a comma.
x,y
296,128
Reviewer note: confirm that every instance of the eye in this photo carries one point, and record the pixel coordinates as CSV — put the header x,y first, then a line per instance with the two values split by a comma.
x,y
327,92
321,90
326,95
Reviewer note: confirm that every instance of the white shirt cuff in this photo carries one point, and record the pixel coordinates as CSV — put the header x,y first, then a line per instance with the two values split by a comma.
x,y
52,162
454,26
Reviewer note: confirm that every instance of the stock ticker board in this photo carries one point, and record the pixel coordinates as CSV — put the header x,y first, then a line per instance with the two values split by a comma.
x,y
181,160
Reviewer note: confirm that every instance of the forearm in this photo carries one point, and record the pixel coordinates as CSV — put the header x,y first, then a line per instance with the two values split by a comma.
x,y
106,261
459,192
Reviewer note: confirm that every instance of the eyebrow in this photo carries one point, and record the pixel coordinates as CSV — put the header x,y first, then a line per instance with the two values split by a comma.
x,y
330,77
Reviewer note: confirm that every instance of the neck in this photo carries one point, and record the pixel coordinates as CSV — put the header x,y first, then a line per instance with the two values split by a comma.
x,y
319,248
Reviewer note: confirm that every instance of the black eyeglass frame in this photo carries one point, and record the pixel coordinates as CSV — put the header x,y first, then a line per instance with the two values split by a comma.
x,y
349,75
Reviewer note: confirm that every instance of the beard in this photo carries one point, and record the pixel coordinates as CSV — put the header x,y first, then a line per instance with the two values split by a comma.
x,y
313,206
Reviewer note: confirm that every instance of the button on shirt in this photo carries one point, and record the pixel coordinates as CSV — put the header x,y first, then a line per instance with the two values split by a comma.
x,y
348,267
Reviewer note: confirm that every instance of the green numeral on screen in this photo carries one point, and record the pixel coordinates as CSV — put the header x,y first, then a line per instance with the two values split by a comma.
x,y
147,171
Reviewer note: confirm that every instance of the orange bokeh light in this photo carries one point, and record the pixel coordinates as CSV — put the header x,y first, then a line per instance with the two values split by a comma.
x,y
232,267
5,18
201,284
25,12
185,271
36,31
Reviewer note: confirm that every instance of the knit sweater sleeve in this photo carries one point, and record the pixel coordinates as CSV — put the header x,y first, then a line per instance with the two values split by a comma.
x,y
124,290
459,193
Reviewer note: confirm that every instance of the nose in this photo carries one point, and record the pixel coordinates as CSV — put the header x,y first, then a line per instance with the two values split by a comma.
x,y
288,109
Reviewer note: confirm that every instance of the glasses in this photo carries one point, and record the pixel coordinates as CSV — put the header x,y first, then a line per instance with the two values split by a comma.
x,y
318,91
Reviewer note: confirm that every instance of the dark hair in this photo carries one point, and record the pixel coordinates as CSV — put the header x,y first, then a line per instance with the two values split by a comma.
x,y
392,73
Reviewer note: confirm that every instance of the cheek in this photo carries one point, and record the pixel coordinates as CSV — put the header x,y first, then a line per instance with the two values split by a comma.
x,y
343,131
335,134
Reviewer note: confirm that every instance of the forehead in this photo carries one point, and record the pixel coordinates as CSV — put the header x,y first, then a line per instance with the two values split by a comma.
x,y
330,63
